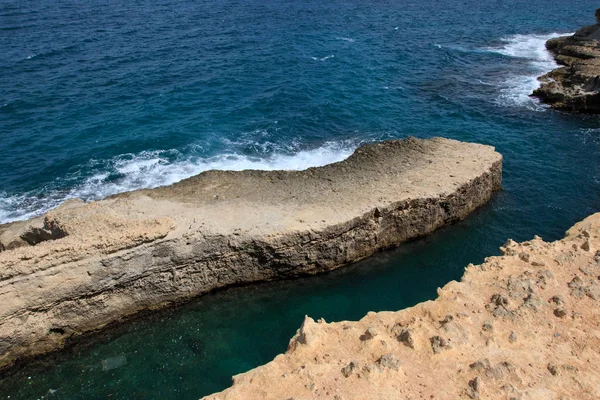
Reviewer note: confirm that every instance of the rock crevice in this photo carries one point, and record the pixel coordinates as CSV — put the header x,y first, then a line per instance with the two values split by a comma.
x,y
519,326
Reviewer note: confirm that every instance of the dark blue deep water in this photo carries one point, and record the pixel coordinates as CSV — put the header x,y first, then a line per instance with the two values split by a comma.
x,y
99,97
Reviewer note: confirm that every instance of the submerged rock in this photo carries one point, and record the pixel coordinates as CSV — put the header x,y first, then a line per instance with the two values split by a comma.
x,y
83,265
113,362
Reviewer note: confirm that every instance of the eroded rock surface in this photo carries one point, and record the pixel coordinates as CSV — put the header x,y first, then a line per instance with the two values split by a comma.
x,y
85,265
525,325
575,86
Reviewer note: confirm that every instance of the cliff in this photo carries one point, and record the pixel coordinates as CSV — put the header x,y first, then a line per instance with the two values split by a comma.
x,y
83,265
525,325
575,86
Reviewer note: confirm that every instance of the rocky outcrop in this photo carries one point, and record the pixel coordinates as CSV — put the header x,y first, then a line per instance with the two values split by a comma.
x,y
525,325
576,85
85,265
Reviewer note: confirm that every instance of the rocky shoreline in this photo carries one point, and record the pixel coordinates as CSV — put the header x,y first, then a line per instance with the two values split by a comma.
x,y
525,325
84,266
575,86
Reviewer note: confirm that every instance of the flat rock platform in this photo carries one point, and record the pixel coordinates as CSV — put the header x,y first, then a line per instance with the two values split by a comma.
x,y
83,266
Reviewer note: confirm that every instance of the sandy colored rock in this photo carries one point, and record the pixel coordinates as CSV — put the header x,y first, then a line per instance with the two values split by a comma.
x,y
462,348
85,265
575,86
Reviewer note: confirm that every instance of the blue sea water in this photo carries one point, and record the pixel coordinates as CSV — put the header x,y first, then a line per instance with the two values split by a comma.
x,y
108,96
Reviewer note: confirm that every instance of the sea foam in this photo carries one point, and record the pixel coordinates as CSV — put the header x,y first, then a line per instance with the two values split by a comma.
x,y
150,169
534,61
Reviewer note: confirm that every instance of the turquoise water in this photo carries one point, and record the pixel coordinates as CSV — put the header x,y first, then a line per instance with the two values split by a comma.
x,y
103,97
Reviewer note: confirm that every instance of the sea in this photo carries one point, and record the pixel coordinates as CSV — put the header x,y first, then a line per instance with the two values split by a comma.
x,y
101,97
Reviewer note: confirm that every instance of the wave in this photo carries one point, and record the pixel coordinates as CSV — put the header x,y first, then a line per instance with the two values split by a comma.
x,y
532,47
460,49
150,169
533,60
324,58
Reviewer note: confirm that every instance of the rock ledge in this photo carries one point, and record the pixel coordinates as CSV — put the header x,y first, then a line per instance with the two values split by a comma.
x,y
576,85
525,325
85,265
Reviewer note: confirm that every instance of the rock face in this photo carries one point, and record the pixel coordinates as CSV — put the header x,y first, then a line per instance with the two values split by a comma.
x,y
85,265
576,85
525,325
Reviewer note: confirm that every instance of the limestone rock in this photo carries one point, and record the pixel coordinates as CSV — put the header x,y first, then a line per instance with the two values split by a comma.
x,y
438,344
348,369
83,265
575,86
388,360
553,358
406,336
369,334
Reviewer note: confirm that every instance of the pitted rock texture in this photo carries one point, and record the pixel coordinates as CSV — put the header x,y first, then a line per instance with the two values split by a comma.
x,y
85,265
525,325
576,85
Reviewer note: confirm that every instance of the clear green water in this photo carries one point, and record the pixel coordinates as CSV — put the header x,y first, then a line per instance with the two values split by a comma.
x,y
103,97
195,349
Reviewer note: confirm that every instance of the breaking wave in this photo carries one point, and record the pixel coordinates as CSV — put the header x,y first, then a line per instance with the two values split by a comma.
x,y
533,60
150,169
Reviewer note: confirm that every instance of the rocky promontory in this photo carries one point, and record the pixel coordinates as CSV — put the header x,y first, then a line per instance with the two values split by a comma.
x,y
575,86
83,266
525,325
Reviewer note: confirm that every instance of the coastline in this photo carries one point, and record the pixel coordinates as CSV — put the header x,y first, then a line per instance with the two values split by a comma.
x,y
574,86
169,293
521,326
101,262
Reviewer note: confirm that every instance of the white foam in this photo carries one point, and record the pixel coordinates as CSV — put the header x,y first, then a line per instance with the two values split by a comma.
x,y
346,39
13,208
531,46
324,58
150,169
531,50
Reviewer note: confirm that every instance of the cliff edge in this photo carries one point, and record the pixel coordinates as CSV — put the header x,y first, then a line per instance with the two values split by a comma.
x,y
83,265
525,325
575,86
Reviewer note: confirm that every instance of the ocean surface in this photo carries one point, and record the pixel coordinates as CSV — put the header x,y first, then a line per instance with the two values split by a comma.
x,y
108,96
